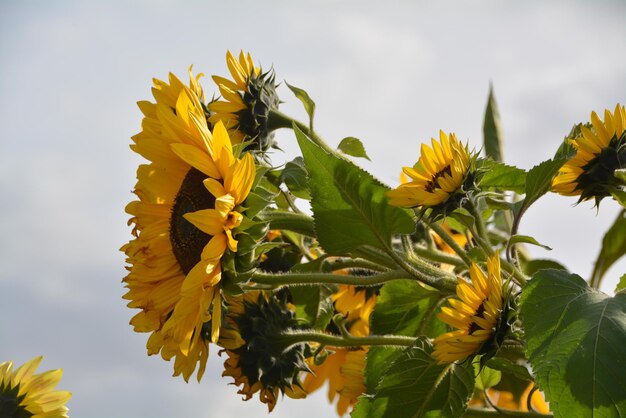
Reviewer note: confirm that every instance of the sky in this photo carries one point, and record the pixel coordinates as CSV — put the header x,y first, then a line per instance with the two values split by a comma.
x,y
392,74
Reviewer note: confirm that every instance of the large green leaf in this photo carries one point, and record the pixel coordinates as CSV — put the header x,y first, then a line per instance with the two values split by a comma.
x,y
492,129
416,386
576,339
502,177
405,307
613,248
349,205
538,183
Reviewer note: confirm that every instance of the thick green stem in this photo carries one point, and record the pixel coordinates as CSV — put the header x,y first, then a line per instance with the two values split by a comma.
x,y
290,221
519,277
439,256
425,272
374,255
355,263
481,232
445,236
290,279
278,120
488,413
294,337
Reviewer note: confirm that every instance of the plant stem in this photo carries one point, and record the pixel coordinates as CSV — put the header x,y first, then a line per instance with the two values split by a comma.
x,y
425,272
287,279
486,413
296,222
481,232
443,234
439,256
374,255
352,263
294,337
278,120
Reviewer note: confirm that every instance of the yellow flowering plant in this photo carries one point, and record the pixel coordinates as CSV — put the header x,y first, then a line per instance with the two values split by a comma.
x,y
417,300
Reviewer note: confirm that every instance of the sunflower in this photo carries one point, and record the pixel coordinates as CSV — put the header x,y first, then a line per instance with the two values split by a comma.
x,y
343,368
248,99
183,223
437,178
474,314
25,394
255,361
600,150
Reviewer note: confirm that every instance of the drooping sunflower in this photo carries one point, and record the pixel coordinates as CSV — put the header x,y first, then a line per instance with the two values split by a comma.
x,y
256,362
474,314
183,223
343,368
26,394
247,101
438,178
600,150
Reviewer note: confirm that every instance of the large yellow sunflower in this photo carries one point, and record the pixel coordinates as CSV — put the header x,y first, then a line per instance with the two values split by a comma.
x,y
247,101
183,223
344,368
474,314
438,175
599,152
26,394
255,363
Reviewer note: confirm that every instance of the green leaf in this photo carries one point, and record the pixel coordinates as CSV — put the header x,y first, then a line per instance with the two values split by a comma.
x,y
533,266
353,146
485,377
516,239
507,366
313,304
613,248
620,197
620,174
416,386
492,129
405,307
621,286
309,104
503,177
349,205
294,176
538,182
575,342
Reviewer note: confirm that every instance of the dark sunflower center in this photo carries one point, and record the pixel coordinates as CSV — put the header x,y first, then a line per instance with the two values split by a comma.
x,y
259,359
10,404
434,182
480,312
187,240
598,179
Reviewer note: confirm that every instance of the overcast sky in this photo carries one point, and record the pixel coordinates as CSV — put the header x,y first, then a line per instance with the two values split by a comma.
x,y
391,75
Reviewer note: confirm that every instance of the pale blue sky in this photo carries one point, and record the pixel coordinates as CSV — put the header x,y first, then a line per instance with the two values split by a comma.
x,y
392,75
